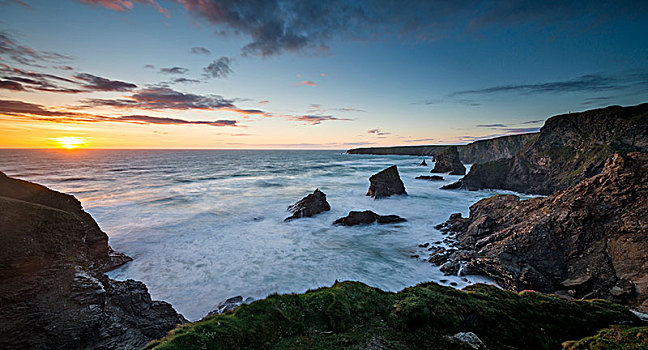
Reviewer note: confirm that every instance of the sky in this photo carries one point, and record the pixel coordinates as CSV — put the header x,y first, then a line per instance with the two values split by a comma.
x,y
308,74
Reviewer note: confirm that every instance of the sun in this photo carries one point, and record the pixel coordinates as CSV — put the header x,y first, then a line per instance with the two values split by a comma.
x,y
70,142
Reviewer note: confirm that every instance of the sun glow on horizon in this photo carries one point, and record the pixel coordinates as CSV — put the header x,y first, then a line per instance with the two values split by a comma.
x,y
70,142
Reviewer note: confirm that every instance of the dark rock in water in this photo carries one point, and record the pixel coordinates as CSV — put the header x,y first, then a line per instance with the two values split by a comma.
x,y
587,241
54,293
226,305
448,161
386,183
453,186
570,148
430,178
310,205
423,163
367,217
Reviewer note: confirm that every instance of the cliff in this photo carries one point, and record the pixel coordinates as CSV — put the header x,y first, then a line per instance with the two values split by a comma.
x,y
569,148
351,315
587,241
54,294
475,152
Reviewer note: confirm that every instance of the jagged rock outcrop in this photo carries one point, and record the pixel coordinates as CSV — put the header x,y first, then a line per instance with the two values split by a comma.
x,y
587,241
569,148
386,183
352,315
430,178
448,162
54,294
308,206
475,152
423,163
367,217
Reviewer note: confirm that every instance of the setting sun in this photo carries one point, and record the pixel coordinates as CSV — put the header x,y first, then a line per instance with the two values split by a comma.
x,y
70,142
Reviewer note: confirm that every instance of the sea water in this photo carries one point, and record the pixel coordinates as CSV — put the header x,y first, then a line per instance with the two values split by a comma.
x,y
206,225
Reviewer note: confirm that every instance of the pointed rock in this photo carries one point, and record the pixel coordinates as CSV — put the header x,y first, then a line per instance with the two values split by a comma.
x,y
386,183
308,206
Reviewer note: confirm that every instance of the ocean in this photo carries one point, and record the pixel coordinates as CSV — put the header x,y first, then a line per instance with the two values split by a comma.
x,y
206,225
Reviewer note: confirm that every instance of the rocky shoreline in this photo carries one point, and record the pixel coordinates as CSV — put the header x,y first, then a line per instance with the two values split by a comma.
x,y
54,293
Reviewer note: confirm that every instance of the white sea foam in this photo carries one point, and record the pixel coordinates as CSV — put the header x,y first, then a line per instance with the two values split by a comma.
x,y
203,226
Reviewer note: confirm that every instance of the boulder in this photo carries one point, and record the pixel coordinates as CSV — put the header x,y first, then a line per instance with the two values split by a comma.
x,y
226,305
430,178
453,186
447,161
367,217
423,163
386,183
308,206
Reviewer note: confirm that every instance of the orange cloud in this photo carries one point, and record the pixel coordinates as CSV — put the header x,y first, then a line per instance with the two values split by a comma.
x,y
307,83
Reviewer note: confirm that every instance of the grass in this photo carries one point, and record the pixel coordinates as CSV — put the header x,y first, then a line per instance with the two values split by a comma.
x,y
352,315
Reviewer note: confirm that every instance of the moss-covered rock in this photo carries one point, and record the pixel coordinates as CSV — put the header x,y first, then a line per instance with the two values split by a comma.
x,y
614,338
354,315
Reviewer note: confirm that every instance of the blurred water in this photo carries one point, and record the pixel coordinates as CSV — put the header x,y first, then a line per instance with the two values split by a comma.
x,y
206,225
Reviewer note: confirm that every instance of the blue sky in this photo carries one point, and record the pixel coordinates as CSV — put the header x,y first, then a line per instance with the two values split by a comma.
x,y
378,72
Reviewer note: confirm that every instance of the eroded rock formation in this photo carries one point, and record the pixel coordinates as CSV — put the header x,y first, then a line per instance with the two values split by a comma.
x,y
386,183
448,161
587,241
367,217
54,294
308,206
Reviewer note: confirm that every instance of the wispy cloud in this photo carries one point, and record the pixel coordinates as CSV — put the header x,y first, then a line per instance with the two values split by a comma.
x,y
163,98
378,132
219,68
174,70
491,126
199,51
585,83
306,83
95,83
30,111
315,119
11,50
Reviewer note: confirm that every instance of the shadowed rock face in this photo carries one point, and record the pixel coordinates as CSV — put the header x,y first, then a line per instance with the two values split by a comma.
x,y
367,217
386,183
54,294
569,149
448,161
308,206
586,241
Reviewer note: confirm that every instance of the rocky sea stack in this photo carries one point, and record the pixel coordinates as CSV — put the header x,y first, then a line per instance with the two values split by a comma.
x,y
587,241
308,206
448,161
386,183
54,294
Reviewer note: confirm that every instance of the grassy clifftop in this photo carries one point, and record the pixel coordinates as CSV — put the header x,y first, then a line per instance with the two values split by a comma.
x,y
354,315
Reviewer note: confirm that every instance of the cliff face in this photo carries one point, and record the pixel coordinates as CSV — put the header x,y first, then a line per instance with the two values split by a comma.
x,y
569,148
54,294
586,241
475,152
351,315
492,149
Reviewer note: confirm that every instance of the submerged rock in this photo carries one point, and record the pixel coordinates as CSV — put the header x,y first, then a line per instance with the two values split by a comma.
x,y
226,305
453,186
308,206
386,183
587,241
430,178
448,161
54,293
423,163
367,217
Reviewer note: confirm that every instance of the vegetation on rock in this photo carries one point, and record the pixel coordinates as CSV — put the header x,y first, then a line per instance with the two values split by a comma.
x,y
352,315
